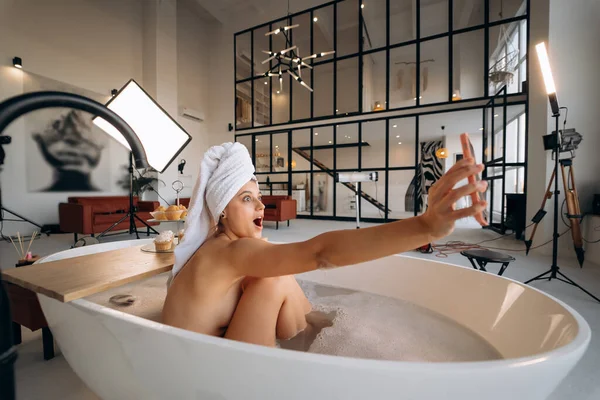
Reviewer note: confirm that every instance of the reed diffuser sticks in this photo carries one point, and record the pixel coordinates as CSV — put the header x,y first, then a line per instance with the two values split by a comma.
x,y
23,254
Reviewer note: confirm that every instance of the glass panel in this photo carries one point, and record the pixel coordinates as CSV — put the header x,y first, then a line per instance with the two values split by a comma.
x,y
376,190
402,21
347,28
467,13
323,90
502,9
522,138
345,200
280,152
374,27
278,41
243,56
301,96
323,32
402,142
347,157
301,35
263,153
512,134
401,194
323,148
468,71
322,194
273,184
514,179
280,99
262,102
301,150
246,141
434,17
498,147
402,76
497,203
373,149
374,82
504,58
243,105
434,71
261,43
489,117
347,86
301,192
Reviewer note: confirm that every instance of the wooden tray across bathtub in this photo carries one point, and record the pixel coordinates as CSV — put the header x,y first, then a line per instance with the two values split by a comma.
x,y
73,278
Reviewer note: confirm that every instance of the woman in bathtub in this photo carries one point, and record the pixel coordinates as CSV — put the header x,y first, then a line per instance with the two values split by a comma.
x,y
228,282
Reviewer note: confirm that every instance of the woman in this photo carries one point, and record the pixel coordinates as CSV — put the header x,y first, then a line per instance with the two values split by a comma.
x,y
228,282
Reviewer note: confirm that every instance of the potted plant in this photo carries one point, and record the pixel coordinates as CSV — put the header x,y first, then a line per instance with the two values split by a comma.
x,y
143,181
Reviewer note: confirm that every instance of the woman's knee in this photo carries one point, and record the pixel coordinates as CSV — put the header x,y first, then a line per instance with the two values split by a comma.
x,y
268,287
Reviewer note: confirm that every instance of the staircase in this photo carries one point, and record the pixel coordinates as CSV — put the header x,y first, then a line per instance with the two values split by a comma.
x,y
350,186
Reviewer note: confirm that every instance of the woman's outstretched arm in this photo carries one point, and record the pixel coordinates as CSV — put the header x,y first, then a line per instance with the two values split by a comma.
x,y
253,257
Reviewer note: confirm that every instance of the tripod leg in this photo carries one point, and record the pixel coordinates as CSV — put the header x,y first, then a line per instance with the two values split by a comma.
x,y
148,227
574,284
112,226
23,218
573,213
538,277
538,217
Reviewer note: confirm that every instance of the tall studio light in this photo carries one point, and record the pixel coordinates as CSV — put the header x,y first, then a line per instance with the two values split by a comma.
x,y
547,74
554,271
162,137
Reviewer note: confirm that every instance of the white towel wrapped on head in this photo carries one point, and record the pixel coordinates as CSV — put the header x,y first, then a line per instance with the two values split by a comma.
x,y
225,169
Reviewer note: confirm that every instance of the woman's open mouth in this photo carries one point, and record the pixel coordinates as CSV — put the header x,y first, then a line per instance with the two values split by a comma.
x,y
258,222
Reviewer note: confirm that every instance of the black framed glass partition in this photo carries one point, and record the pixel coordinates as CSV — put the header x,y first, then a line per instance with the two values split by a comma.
x,y
380,55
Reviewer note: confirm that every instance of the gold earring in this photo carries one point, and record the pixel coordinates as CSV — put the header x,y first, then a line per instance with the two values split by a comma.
x,y
223,215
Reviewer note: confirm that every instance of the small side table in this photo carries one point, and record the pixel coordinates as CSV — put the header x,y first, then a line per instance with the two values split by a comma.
x,y
26,311
483,257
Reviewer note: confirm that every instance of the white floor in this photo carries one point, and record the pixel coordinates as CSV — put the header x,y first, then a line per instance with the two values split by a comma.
x,y
54,379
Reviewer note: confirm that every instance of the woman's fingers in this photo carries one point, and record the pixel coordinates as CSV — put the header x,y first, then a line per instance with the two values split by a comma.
x,y
456,194
448,181
469,211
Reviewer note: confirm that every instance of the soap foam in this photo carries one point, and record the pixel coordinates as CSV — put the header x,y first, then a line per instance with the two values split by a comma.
x,y
346,323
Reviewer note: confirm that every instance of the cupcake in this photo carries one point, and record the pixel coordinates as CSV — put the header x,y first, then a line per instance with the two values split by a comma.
x,y
173,213
164,241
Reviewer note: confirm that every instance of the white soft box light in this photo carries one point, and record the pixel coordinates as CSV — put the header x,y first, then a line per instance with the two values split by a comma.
x,y
162,137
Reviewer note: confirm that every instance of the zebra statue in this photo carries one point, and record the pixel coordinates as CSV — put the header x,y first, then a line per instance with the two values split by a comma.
x,y
429,170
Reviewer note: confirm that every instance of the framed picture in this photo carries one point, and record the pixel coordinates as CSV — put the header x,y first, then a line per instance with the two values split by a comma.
x,y
280,162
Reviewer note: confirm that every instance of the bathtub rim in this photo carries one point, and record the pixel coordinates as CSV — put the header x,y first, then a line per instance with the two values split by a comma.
x,y
578,344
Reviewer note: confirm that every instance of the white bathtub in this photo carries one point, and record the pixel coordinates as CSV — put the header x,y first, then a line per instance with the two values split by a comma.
x,y
122,357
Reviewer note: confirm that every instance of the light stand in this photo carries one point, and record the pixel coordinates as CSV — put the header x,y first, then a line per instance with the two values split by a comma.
x,y
10,110
554,270
356,177
131,214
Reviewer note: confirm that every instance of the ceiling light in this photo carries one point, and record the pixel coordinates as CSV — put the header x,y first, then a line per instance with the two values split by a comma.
x,y
278,92
362,6
330,141
266,83
336,110
480,129
397,136
315,19
256,140
394,126
495,115
316,133
399,142
17,62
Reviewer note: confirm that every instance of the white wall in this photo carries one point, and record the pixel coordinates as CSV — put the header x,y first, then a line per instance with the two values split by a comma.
x,y
81,51
574,31
97,46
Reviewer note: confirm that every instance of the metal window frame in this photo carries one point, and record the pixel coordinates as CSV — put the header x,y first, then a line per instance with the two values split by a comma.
x,y
415,111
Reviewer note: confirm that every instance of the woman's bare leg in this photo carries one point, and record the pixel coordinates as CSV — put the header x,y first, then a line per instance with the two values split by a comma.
x,y
268,308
